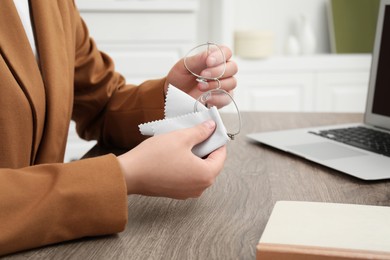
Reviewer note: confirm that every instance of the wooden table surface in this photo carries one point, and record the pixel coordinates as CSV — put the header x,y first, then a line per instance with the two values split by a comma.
x,y
226,222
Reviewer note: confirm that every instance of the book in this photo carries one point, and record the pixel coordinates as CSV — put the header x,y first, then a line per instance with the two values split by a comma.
x,y
318,230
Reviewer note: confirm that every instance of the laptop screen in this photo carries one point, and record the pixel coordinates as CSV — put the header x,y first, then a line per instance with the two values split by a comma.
x,y
382,85
377,109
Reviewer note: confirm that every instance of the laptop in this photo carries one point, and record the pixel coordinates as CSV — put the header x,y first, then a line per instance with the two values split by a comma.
x,y
355,149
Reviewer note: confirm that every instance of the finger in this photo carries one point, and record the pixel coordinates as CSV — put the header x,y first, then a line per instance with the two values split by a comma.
x,y
229,70
210,56
220,100
214,72
216,159
227,84
200,132
228,52
216,56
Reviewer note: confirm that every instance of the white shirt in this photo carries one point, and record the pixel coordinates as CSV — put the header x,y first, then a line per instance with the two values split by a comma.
x,y
23,9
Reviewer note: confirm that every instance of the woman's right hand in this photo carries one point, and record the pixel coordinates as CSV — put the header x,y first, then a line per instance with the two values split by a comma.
x,y
165,166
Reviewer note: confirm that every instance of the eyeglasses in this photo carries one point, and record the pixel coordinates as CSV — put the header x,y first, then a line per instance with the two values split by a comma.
x,y
200,55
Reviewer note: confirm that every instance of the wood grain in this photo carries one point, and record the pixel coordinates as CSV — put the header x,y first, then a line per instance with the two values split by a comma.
x,y
226,222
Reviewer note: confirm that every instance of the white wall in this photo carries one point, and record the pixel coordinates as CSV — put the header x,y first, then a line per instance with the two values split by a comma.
x,y
219,18
216,21
281,17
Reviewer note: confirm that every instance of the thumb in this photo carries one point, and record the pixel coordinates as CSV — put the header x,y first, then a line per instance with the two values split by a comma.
x,y
202,131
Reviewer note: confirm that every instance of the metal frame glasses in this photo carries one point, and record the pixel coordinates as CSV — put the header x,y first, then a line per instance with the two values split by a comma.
x,y
207,49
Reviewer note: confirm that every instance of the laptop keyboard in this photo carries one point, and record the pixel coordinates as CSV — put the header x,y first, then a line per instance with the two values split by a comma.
x,y
361,137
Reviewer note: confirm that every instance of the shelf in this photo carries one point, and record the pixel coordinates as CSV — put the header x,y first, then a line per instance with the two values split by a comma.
x,y
137,6
320,62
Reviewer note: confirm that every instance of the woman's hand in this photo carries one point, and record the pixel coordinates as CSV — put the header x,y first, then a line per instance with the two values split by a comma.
x,y
164,165
181,78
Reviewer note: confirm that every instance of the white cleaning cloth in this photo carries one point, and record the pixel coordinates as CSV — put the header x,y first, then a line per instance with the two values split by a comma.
x,y
179,114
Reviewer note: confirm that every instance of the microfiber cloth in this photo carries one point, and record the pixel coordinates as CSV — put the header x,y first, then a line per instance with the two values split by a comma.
x,y
179,114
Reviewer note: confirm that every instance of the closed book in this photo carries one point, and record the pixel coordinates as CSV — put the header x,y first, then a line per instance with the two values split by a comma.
x,y
317,230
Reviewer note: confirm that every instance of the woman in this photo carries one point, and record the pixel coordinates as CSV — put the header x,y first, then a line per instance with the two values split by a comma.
x,y
52,72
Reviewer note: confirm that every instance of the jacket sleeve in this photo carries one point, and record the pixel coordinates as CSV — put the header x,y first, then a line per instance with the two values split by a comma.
x,y
105,108
50,203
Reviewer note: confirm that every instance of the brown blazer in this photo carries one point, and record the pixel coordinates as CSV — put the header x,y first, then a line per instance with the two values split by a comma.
x,y
42,200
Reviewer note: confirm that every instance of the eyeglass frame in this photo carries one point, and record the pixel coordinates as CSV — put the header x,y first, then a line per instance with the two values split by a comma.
x,y
200,78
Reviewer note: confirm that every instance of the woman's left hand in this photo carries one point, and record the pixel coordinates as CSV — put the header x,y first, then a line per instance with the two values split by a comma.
x,y
207,65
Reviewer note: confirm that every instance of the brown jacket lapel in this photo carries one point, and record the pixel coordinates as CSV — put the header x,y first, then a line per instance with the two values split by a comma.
x,y
17,53
36,202
52,38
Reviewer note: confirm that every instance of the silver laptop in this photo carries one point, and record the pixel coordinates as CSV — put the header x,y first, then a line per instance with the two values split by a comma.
x,y
357,150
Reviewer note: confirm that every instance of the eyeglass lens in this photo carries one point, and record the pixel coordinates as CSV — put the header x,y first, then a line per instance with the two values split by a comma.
x,y
215,96
207,62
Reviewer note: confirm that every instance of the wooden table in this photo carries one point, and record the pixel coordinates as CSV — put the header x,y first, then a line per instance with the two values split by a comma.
x,y
226,222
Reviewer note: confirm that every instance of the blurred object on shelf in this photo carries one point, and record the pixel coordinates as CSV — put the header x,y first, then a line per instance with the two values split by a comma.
x,y
307,38
253,44
292,46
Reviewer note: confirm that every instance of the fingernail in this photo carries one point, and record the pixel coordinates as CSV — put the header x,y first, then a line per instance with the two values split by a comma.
x,y
210,124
